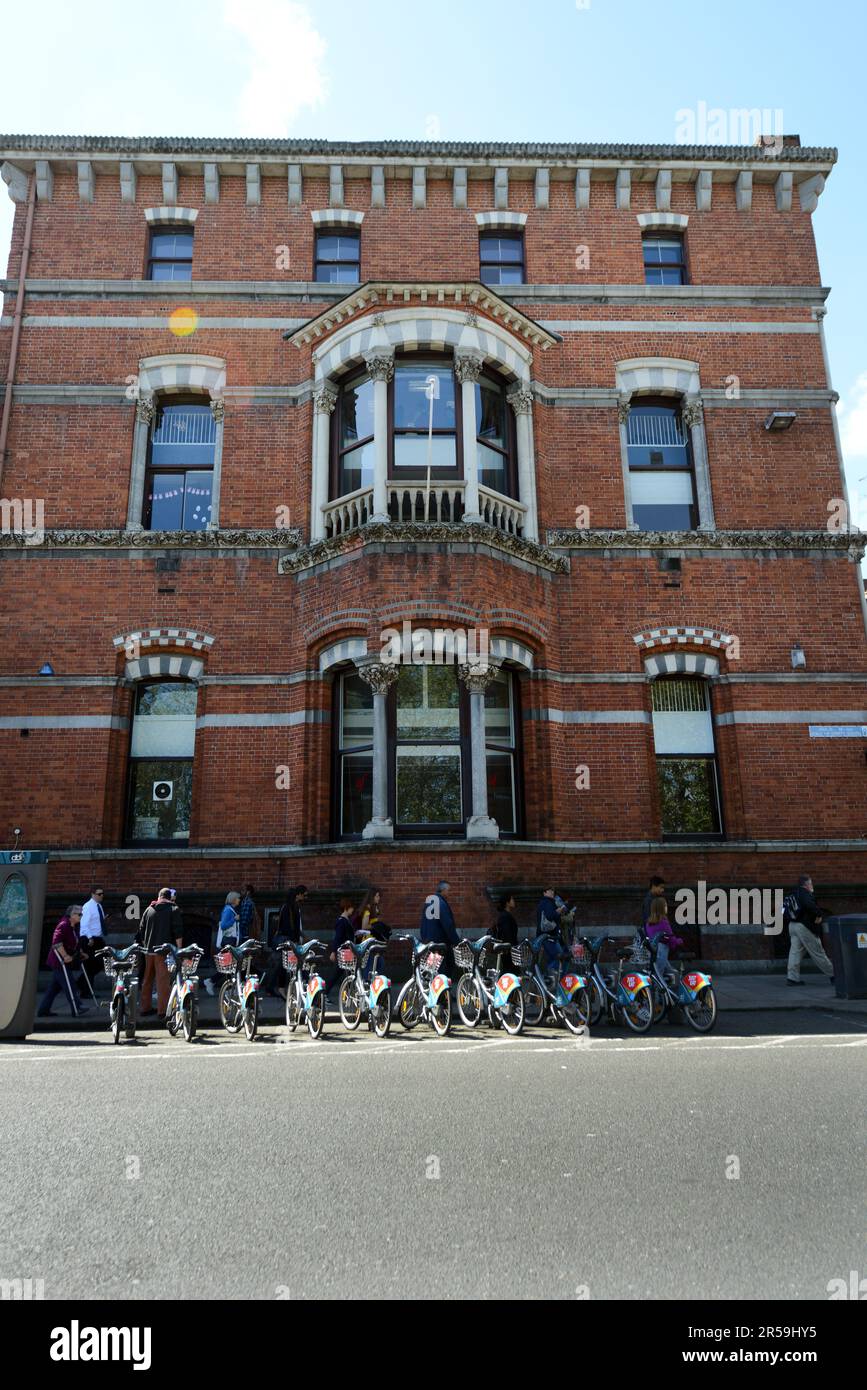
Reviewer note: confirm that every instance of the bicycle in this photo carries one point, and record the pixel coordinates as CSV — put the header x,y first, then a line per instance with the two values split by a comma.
x,y
481,988
567,998
121,966
182,1010
305,989
691,992
239,994
425,995
628,995
358,999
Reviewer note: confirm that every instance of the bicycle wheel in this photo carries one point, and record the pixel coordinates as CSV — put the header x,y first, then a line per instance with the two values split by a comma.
x,y
534,1001
660,1002
251,1018
173,1015
131,1012
638,1015
441,1014
117,1012
190,1018
512,1013
701,1013
350,1003
316,1015
408,1004
291,1007
230,1012
576,1014
382,1014
597,1002
469,1000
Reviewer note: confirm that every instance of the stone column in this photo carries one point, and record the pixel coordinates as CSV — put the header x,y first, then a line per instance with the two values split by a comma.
x,y
380,678
380,368
324,401
218,410
692,414
521,401
468,369
480,826
144,414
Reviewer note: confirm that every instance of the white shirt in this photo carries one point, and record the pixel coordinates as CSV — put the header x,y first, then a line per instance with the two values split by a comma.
x,y
91,919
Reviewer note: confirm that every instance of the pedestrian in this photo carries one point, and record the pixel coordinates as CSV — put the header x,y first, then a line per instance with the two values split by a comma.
x,y
161,925
659,928
548,916
805,919
92,934
506,929
656,890
229,921
61,961
290,928
438,925
343,932
371,924
250,923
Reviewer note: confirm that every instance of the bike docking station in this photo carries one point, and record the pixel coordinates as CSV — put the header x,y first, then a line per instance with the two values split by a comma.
x,y
23,874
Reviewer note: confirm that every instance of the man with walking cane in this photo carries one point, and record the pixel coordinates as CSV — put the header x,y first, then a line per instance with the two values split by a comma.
x,y
60,961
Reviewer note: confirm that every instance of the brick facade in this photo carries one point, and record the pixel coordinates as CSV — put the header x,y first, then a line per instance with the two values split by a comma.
x,y
768,571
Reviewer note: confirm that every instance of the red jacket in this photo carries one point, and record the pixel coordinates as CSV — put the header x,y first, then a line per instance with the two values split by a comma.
x,y
66,936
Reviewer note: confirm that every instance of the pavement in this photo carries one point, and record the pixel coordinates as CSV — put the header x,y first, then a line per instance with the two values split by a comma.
x,y
735,994
670,1165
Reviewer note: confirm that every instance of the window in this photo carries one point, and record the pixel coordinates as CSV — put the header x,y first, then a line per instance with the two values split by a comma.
x,y
338,257
180,470
685,757
501,258
161,762
355,436
412,412
660,468
664,261
429,775
495,425
170,255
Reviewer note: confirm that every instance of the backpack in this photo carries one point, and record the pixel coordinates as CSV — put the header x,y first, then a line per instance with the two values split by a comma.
x,y
790,909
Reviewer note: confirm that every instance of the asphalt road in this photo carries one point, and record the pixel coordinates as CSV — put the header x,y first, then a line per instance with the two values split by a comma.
x,y
471,1166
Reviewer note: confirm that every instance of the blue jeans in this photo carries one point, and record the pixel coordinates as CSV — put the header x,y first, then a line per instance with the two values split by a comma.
x,y
662,957
62,983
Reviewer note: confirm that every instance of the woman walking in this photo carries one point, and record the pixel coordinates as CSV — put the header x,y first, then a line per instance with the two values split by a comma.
x,y
60,961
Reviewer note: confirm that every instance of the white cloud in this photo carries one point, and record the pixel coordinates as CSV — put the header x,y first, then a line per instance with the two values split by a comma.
x,y
853,420
285,59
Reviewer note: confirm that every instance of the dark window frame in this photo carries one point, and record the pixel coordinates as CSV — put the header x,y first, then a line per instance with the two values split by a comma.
x,y
170,229
324,231
489,234
129,841
676,837
653,237
155,471
675,404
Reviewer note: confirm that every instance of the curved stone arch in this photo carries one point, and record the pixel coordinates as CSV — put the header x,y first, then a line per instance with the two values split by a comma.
x,y
348,649
663,221
165,637
161,216
491,221
506,649
181,371
419,329
190,668
336,217
682,663
658,376
683,636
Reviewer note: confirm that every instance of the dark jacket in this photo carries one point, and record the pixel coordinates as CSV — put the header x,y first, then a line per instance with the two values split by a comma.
x,y
441,927
289,923
808,910
343,931
507,928
547,917
162,924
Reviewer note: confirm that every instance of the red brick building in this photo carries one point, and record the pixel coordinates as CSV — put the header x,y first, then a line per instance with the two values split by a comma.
x,y
269,405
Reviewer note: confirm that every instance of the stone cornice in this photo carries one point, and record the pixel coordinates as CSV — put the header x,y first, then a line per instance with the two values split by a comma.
x,y
851,544
436,533
283,538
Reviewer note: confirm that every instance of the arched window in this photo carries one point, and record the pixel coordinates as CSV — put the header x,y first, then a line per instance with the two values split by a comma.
x,y
161,762
686,760
428,751
660,466
180,466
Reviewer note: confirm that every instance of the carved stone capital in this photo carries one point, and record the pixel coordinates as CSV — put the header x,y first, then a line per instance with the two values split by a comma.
x,y
521,400
380,365
325,399
692,412
468,366
376,674
624,405
145,408
477,678
218,408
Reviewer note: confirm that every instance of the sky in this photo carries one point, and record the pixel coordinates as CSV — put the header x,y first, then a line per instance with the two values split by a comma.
x,y
622,71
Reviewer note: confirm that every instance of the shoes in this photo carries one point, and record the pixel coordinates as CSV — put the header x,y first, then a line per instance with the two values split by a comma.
x,y
209,988
794,982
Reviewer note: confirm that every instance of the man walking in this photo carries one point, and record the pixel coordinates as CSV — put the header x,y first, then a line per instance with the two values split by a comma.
x,y
161,925
92,934
438,924
805,932
656,890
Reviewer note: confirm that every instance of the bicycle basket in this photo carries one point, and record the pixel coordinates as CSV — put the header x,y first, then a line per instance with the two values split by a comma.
x,y
464,956
290,959
639,957
522,955
225,962
581,958
487,959
432,961
190,965
346,958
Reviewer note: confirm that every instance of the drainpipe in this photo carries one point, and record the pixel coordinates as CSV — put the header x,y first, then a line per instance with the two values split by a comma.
x,y
16,322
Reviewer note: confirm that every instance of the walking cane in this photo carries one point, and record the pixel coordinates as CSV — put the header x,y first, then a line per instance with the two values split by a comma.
x,y
90,987
69,990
